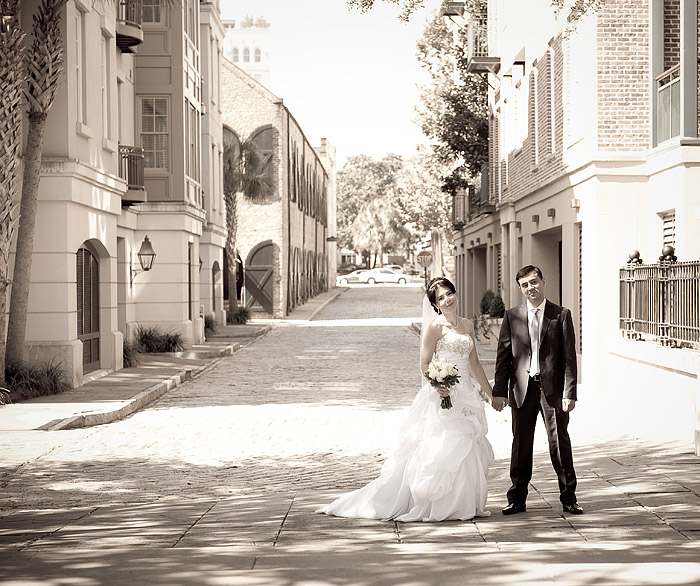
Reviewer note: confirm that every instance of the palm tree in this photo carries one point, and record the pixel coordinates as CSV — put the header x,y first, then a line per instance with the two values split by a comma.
x,y
244,172
11,87
43,64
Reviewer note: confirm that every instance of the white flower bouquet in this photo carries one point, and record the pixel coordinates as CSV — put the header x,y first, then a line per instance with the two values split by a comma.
x,y
441,373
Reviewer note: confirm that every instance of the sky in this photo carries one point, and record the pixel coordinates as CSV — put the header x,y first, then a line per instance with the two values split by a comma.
x,y
345,76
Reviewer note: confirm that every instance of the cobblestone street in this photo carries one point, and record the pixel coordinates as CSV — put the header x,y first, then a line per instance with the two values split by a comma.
x,y
227,469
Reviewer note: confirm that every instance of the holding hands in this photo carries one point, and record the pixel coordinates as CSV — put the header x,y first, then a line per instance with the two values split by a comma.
x,y
499,403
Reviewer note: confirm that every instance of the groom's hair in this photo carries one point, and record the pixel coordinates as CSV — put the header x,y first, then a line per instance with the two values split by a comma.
x,y
526,270
433,285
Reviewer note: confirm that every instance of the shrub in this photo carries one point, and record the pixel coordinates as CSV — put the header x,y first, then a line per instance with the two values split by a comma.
x,y
24,381
152,339
209,325
240,316
486,300
482,329
497,307
131,354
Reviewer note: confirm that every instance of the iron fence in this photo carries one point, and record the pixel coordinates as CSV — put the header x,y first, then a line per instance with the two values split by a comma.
x,y
661,302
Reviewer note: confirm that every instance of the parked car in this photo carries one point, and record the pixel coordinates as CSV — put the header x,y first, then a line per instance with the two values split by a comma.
x,y
397,268
382,275
353,277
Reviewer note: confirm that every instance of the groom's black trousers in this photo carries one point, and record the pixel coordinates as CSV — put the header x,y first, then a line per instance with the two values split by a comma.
x,y
556,422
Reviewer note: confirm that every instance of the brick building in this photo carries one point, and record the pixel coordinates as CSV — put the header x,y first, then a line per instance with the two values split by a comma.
x,y
285,240
593,152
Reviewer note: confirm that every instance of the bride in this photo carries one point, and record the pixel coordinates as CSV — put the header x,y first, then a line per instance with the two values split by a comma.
x,y
438,470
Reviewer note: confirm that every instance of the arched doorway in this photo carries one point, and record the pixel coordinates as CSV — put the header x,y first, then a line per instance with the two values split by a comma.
x,y
258,277
87,270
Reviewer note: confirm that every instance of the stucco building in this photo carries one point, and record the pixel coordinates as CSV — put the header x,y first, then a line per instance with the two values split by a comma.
x,y
286,240
132,149
593,152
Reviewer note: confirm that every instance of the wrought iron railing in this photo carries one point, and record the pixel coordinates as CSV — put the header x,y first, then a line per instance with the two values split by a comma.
x,y
477,33
660,301
668,104
131,166
129,12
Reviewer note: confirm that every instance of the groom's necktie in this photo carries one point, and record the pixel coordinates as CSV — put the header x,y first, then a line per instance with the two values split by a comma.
x,y
535,342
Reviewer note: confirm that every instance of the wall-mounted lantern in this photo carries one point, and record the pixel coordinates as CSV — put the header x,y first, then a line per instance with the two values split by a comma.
x,y
146,256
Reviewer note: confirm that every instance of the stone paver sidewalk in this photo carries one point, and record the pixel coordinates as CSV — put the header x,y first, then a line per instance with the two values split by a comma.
x,y
217,482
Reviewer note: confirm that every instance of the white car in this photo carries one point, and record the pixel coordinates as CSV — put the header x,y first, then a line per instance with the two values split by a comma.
x,y
353,277
397,268
382,275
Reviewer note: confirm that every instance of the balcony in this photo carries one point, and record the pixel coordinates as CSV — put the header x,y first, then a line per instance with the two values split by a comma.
x,y
131,170
478,59
129,30
668,104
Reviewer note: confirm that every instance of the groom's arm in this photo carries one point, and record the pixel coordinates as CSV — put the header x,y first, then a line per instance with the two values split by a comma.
x,y
570,365
504,360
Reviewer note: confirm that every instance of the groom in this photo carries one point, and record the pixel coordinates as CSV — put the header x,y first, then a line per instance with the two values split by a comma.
x,y
536,373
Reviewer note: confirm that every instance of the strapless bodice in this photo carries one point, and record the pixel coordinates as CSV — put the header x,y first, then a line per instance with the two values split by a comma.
x,y
454,346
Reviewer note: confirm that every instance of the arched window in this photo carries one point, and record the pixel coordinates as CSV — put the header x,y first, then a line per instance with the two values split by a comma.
x,y
87,272
258,55
263,139
246,55
236,55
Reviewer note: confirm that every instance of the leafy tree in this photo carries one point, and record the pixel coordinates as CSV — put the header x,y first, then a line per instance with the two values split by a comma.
x,y
43,65
453,109
11,87
378,229
578,8
361,180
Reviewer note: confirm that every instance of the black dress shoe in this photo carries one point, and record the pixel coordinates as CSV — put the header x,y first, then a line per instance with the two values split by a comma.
x,y
573,508
513,508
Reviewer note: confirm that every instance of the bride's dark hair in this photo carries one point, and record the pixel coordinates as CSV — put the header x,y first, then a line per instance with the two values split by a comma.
x,y
432,287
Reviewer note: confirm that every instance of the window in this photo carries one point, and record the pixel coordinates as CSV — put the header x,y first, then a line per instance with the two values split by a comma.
x,y
192,137
258,55
152,11
534,118
154,132
236,56
246,55
80,66
550,90
191,16
106,93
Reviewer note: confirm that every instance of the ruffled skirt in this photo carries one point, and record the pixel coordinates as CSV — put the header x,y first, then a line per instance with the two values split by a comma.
x,y
438,470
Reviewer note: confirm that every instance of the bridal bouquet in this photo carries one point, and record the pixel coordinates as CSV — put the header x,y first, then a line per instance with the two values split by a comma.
x,y
442,374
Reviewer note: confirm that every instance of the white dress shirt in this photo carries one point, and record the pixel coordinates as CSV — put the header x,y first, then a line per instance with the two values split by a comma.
x,y
535,350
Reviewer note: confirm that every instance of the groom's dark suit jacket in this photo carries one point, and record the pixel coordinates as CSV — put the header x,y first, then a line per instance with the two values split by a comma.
x,y
557,356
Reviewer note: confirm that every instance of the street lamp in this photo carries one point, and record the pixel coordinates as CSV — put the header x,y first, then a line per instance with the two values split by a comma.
x,y
146,256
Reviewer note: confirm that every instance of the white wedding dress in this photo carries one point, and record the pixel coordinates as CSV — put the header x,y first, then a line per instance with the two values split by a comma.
x,y
438,470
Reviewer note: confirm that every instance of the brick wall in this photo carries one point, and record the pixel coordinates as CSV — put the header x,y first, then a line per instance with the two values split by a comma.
x,y
291,217
623,76
672,33
541,155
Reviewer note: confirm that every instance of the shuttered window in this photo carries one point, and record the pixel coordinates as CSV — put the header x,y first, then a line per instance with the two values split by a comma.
x,y
669,228
155,132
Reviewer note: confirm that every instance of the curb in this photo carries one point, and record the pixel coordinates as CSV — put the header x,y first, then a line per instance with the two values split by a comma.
x,y
131,406
153,392
324,304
